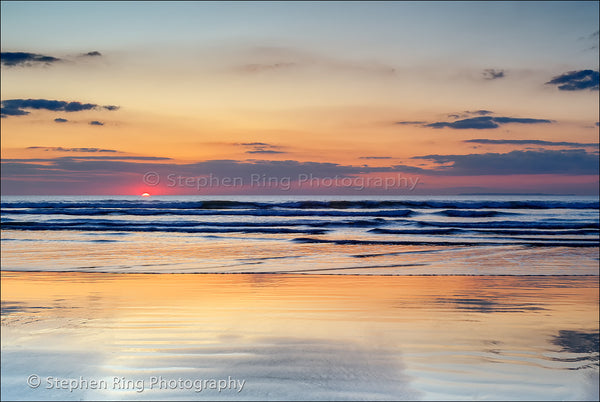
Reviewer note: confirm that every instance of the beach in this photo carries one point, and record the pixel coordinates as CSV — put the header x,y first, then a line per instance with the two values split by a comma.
x,y
283,298
299,336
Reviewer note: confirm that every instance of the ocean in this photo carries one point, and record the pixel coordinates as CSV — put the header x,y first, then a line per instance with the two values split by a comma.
x,y
356,235
300,298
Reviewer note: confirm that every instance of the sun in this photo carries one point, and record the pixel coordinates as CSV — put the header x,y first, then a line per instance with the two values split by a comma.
x,y
145,195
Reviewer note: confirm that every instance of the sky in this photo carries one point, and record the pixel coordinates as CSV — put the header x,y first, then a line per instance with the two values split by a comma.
x,y
389,98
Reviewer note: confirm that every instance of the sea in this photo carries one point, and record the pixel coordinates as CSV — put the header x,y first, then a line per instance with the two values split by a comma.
x,y
434,235
300,298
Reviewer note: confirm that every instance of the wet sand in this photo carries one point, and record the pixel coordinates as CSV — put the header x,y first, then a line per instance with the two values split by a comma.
x,y
117,336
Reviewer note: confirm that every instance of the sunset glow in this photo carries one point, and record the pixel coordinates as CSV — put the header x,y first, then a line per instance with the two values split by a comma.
x,y
284,90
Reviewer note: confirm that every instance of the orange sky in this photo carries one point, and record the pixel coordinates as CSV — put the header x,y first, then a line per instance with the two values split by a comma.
x,y
306,92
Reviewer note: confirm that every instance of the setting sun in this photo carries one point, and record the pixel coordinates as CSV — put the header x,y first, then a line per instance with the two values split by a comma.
x,y
145,195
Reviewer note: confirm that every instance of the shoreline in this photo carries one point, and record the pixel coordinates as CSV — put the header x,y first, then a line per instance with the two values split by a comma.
x,y
291,274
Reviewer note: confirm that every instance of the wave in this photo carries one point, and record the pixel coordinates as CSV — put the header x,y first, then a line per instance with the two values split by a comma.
x,y
512,242
126,223
155,228
304,205
514,232
304,226
548,224
472,213
202,212
394,222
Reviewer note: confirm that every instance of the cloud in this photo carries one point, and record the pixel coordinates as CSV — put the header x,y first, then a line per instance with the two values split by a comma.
x,y
96,123
10,111
504,120
482,121
403,123
60,120
533,142
485,122
63,160
223,168
261,148
265,151
576,80
572,161
375,157
61,149
24,59
92,54
92,173
492,74
15,107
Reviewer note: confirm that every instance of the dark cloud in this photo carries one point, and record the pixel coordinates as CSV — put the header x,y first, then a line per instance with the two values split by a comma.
x,y
255,144
78,106
479,123
504,120
572,161
25,59
96,123
375,157
485,122
61,161
111,107
576,80
482,121
533,142
492,74
11,111
15,107
92,54
60,120
403,123
61,149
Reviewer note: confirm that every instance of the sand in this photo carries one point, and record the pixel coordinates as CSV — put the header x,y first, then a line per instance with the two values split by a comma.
x,y
186,336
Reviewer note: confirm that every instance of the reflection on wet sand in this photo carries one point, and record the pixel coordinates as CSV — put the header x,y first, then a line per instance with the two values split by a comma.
x,y
303,336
